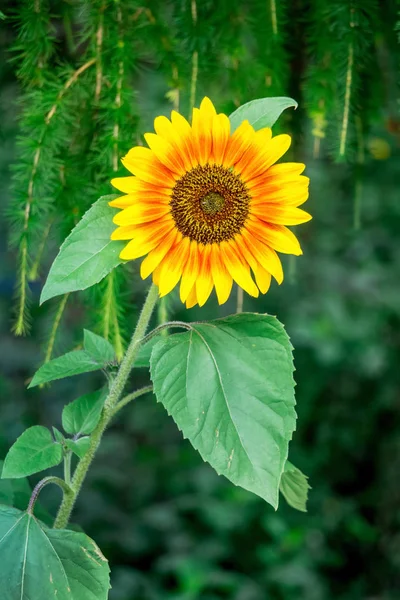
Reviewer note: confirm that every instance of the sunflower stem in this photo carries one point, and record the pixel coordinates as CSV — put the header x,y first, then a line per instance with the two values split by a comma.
x,y
239,300
116,390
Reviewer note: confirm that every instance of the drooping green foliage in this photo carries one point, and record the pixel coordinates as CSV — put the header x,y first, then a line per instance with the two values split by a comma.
x,y
83,68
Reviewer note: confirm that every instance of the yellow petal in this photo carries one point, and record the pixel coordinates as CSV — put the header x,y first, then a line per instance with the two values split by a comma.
x,y
172,267
165,153
278,237
204,282
125,184
222,280
264,255
123,233
154,258
123,201
282,214
136,249
263,278
192,298
142,213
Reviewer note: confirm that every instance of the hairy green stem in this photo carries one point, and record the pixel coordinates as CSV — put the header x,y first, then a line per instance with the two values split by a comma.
x,y
116,390
42,483
129,397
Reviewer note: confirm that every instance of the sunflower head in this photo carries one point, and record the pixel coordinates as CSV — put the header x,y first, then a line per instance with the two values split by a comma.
x,y
206,207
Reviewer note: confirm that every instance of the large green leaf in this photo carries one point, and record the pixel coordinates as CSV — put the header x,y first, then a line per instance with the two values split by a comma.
x,y
294,487
83,414
34,451
260,113
98,353
229,386
38,563
87,255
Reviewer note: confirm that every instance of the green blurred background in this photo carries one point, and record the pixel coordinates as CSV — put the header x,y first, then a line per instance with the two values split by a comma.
x,y
171,528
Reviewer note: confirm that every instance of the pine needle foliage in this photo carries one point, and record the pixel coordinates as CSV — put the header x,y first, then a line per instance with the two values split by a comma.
x,y
92,76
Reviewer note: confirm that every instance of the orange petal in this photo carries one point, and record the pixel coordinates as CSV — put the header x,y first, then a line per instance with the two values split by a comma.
x,y
191,271
146,239
264,255
255,151
238,144
154,258
186,145
237,269
202,123
220,136
274,150
143,163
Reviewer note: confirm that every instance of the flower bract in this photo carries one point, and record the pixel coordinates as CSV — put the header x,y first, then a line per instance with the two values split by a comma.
x,y
206,207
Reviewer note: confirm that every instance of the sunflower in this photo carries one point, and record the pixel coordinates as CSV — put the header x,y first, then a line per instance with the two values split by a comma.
x,y
207,207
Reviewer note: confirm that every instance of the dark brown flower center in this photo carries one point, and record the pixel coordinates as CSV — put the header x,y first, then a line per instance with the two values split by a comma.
x,y
210,204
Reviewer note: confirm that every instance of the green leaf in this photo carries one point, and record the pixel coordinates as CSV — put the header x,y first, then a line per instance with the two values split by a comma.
x,y
72,363
41,563
99,348
79,447
34,451
87,255
228,384
294,487
83,414
260,113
